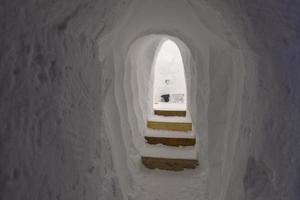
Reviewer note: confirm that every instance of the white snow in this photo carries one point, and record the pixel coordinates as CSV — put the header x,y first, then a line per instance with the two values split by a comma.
x,y
169,75
76,90
169,134
169,106
162,151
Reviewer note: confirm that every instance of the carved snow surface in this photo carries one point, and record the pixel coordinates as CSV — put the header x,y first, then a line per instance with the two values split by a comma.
x,y
73,117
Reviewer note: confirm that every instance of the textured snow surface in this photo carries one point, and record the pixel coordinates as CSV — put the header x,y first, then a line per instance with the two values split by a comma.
x,y
51,130
71,125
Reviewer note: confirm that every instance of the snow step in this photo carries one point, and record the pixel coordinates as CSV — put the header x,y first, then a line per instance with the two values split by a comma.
x,y
172,123
181,113
171,126
169,106
170,138
169,158
171,141
170,164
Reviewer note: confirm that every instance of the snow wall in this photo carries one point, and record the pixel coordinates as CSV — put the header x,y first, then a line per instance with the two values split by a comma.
x,y
53,145
67,125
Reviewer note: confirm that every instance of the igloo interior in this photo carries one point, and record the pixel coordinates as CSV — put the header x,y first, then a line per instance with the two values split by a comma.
x,y
76,88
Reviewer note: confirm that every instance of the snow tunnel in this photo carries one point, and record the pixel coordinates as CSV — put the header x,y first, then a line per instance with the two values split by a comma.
x,y
73,126
139,79
213,71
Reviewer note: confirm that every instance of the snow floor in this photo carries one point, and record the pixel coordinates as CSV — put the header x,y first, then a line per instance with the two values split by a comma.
x,y
169,106
168,134
162,151
160,118
167,185
190,184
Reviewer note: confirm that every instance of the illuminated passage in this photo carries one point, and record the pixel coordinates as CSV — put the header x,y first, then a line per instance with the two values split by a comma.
x,y
169,86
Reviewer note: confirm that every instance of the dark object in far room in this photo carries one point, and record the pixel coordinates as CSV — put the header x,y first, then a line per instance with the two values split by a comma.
x,y
165,97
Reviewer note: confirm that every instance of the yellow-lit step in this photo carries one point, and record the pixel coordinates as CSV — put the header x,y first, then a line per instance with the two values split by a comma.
x,y
169,158
180,113
171,141
170,123
171,164
171,126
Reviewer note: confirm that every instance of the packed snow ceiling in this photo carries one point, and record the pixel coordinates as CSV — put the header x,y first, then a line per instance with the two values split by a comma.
x,y
66,124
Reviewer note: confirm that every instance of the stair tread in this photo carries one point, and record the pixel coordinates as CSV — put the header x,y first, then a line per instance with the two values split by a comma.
x,y
170,119
169,106
168,134
170,113
162,151
169,164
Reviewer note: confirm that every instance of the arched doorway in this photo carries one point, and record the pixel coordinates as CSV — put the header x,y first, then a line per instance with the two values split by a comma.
x,y
169,84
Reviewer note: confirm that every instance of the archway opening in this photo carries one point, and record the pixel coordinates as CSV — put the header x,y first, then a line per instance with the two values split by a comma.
x,y
169,84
